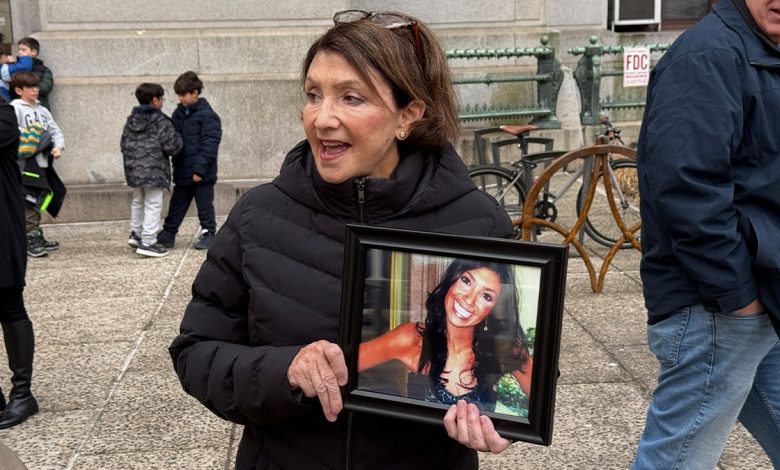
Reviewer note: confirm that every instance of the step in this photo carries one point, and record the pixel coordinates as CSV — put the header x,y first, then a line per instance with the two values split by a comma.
x,y
99,202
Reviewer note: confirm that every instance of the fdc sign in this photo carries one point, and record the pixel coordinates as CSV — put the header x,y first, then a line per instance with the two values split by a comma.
x,y
636,66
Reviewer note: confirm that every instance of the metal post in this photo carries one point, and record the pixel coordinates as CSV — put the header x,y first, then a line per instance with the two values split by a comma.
x,y
548,89
588,78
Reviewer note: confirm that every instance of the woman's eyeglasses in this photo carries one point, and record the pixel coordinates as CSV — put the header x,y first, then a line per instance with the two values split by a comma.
x,y
382,18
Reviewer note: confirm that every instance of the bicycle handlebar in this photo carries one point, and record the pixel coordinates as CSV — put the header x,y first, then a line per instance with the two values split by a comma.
x,y
610,132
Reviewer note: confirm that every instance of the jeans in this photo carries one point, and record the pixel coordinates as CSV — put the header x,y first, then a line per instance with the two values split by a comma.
x,y
145,213
180,202
715,368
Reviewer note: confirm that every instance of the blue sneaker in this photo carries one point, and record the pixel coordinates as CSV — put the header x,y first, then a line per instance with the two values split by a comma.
x,y
152,251
205,242
166,239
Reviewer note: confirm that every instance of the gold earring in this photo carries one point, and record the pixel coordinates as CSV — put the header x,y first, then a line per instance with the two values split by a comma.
x,y
402,135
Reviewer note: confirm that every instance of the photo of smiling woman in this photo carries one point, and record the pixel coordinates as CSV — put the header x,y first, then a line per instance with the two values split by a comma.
x,y
469,346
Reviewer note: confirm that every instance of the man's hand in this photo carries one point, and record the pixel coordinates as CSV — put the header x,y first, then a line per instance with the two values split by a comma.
x,y
751,308
56,152
318,370
464,424
196,178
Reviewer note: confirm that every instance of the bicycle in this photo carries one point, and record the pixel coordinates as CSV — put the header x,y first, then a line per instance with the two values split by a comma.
x,y
510,187
600,224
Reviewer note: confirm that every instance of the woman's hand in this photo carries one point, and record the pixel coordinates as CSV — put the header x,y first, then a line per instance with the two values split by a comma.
x,y
318,370
464,424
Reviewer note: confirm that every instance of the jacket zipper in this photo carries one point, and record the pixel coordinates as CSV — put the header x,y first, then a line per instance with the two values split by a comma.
x,y
360,183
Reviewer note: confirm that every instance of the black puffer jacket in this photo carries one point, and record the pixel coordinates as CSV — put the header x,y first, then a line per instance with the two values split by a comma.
x,y
13,241
272,284
148,141
201,131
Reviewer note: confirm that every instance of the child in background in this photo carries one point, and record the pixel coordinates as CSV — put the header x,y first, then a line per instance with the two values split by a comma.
x,y
148,141
9,65
195,167
34,118
31,47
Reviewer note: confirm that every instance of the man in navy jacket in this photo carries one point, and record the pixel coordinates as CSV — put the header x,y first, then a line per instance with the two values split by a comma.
x,y
709,169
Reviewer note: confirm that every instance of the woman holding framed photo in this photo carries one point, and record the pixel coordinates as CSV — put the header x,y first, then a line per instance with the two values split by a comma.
x,y
257,343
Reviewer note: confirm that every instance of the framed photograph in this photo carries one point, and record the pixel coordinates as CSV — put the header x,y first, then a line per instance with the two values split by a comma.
x,y
428,319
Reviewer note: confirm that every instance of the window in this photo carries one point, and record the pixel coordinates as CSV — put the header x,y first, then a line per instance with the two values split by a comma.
x,y
674,14
679,14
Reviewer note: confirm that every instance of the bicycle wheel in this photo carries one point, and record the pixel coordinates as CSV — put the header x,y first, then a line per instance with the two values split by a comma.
x,y
600,224
503,185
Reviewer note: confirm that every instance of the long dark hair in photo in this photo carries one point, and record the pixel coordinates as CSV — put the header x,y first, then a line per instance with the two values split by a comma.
x,y
501,321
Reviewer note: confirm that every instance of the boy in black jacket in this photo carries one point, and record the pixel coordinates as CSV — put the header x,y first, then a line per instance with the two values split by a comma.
x,y
195,167
31,47
148,140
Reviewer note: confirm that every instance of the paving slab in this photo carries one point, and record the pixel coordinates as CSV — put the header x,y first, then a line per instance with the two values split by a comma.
x,y
212,458
583,360
596,426
151,413
110,319
48,440
72,377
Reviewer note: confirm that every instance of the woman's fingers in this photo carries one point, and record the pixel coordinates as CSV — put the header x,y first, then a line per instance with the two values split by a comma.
x,y
456,423
318,370
335,357
495,443
327,388
476,440
450,422
464,424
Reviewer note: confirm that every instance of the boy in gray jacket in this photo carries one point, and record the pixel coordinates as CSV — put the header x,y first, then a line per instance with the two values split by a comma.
x,y
148,141
33,117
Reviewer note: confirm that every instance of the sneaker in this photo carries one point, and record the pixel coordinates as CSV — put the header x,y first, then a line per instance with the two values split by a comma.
x,y
49,245
166,239
36,251
35,248
205,242
134,240
153,251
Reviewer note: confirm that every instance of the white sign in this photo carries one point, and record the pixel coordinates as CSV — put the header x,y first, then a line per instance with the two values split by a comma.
x,y
636,66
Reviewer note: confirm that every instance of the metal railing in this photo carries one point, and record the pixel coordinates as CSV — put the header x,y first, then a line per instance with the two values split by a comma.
x,y
548,78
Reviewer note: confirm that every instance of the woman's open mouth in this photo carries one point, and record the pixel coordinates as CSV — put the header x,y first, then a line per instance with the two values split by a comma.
x,y
330,150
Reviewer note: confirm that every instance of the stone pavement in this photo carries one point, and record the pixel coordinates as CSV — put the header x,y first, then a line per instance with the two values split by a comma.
x,y
109,399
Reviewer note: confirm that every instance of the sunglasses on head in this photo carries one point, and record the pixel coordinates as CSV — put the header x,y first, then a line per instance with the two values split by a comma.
x,y
382,18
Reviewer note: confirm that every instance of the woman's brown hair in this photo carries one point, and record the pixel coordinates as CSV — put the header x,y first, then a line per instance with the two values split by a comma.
x,y
414,70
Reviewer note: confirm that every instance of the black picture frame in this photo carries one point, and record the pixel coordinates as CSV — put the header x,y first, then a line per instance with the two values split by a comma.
x,y
377,279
